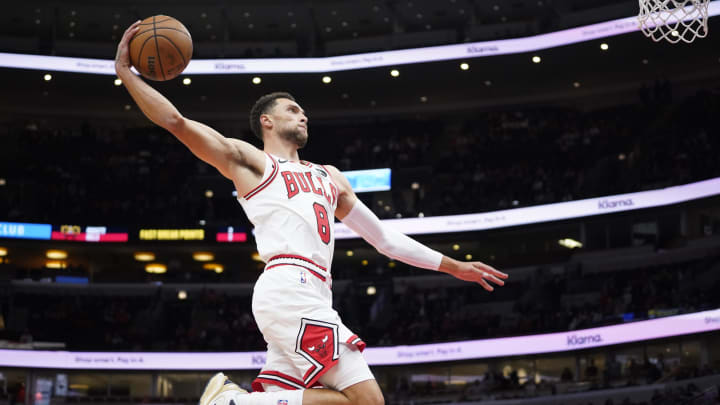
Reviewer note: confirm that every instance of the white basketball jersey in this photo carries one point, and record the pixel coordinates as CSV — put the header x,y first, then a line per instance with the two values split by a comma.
x,y
293,210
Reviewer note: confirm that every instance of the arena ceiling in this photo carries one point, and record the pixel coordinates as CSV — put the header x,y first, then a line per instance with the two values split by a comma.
x,y
581,75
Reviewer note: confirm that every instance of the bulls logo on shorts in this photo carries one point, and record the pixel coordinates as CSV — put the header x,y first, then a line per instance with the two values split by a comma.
x,y
317,342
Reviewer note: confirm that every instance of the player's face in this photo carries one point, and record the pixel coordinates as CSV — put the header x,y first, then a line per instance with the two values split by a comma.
x,y
291,122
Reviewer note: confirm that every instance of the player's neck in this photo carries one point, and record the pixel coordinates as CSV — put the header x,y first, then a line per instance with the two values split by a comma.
x,y
284,150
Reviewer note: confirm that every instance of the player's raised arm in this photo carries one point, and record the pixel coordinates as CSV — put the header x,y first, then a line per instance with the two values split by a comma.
x,y
358,217
226,154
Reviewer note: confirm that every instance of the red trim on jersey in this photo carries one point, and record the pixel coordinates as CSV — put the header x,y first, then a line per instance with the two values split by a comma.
x,y
264,184
326,171
355,340
305,259
314,273
276,378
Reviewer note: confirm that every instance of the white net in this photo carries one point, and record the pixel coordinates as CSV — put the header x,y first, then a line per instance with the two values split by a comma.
x,y
674,20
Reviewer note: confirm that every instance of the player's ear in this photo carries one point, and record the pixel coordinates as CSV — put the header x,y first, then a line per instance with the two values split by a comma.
x,y
266,121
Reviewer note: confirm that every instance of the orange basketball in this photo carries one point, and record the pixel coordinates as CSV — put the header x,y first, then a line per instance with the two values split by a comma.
x,y
161,49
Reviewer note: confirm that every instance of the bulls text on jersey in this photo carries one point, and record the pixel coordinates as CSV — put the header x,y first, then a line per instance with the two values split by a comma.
x,y
297,182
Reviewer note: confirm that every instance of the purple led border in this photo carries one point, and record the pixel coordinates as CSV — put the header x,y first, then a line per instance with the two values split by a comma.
x,y
475,349
350,62
547,212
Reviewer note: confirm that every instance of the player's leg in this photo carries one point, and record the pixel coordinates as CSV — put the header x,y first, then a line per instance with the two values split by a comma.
x,y
363,393
349,382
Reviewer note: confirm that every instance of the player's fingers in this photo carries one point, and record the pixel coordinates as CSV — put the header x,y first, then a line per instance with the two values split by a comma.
x,y
495,271
494,279
485,285
131,30
489,269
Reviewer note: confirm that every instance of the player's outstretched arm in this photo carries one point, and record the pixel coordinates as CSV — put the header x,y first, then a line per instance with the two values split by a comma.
x,y
227,155
358,217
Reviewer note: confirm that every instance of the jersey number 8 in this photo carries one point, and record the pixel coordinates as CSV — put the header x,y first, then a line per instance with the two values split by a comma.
x,y
323,223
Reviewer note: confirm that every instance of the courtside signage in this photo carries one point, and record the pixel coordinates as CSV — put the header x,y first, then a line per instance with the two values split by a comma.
x,y
548,212
382,356
351,62
18,230
171,234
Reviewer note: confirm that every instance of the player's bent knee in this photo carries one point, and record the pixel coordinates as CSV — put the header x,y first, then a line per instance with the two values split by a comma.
x,y
365,393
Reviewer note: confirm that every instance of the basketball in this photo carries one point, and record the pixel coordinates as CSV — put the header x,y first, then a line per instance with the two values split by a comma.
x,y
161,49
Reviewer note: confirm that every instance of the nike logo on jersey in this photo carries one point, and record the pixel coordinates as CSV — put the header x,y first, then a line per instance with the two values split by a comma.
x,y
282,161
296,182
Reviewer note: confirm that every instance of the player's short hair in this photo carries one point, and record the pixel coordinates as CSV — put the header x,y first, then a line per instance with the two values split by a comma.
x,y
262,106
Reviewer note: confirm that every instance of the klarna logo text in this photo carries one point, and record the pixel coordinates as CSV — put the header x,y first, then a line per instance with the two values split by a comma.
x,y
608,204
575,340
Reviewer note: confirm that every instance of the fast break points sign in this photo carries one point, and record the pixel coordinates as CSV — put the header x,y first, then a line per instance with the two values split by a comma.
x,y
698,322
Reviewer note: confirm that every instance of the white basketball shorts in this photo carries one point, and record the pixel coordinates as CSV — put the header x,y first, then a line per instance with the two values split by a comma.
x,y
307,343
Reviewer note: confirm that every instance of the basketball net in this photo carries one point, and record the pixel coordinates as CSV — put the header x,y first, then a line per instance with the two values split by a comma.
x,y
674,20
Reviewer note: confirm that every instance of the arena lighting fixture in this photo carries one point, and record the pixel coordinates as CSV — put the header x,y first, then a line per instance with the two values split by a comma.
x,y
182,294
349,253
55,264
156,268
536,59
256,80
209,193
576,84
2,181
326,79
371,290
186,81
256,256
118,82
394,73
47,77
56,254
456,247
364,262
203,256
604,46
570,243
391,265
144,256
3,252
464,66
216,267
468,257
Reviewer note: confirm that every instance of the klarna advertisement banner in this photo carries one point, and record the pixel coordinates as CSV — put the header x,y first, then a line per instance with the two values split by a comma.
x,y
548,212
356,61
381,356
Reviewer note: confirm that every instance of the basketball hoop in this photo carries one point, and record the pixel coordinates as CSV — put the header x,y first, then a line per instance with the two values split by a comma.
x,y
674,20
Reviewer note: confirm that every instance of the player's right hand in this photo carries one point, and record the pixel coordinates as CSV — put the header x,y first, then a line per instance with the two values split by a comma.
x,y
476,272
122,57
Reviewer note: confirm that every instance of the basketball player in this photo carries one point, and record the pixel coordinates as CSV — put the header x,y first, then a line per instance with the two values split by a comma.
x,y
292,204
